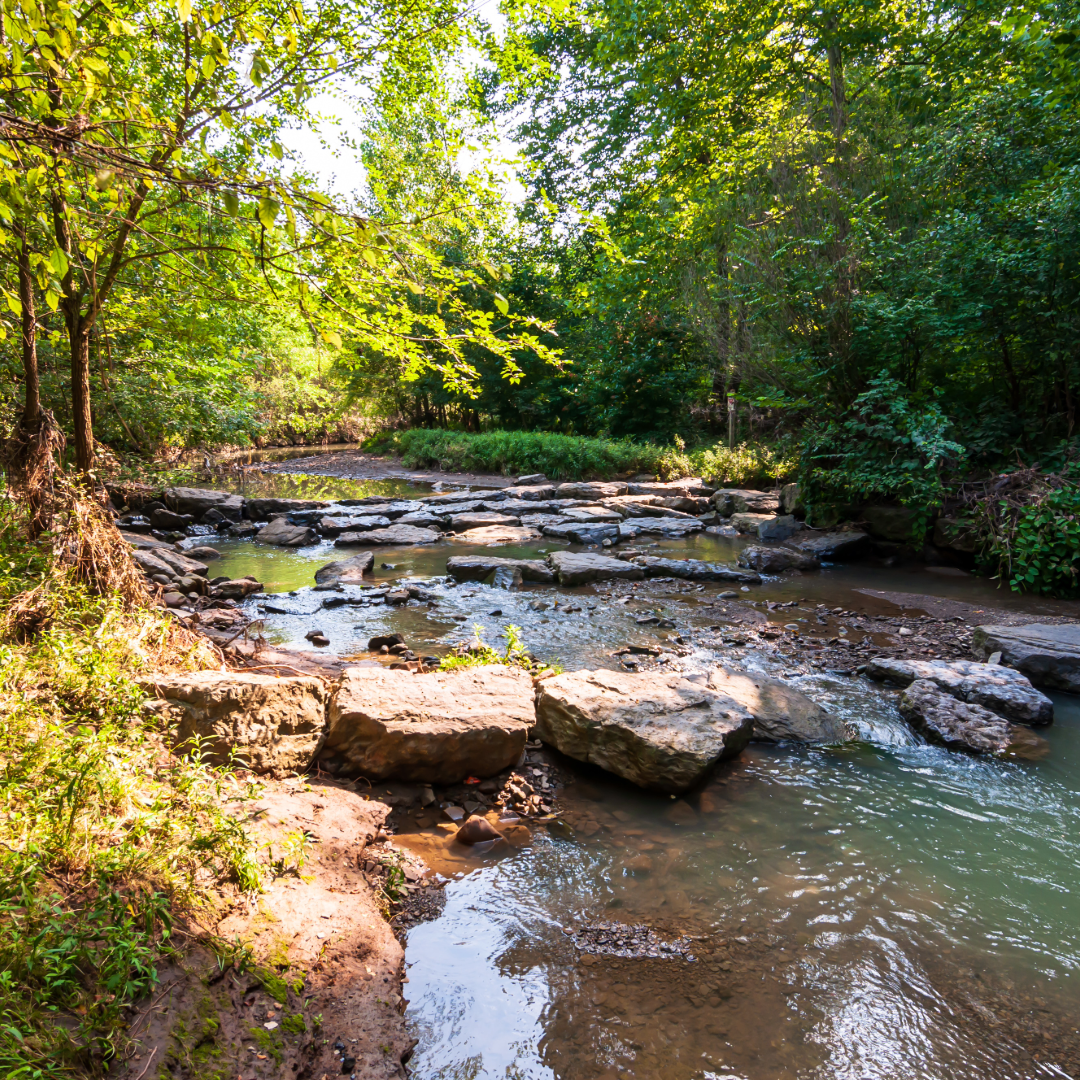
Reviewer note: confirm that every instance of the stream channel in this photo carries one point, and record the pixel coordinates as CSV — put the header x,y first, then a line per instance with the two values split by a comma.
x,y
883,910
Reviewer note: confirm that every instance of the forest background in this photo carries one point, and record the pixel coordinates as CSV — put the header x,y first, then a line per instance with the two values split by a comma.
x,y
850,231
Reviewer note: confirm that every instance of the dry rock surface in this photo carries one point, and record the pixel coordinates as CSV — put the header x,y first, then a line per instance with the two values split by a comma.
x,y
781,713
1049,655
662,732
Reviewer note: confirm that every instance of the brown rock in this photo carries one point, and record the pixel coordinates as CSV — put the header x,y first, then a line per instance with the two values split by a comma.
x,y
476,831
781,713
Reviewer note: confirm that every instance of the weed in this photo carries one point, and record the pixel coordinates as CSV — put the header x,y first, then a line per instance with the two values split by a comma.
x,y
477,653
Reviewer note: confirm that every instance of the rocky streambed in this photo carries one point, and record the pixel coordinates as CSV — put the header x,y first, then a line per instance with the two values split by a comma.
x,y
856,868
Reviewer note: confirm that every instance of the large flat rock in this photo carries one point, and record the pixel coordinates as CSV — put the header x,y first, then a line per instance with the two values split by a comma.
x,y
197,501
943,719
1048,655
775,560
577,532
1000,689
346,571
260,509
661,732
497,534
834,546
268,723
695,570
593,490
582,567
481,567
480,520
395,534
744,501
781,713
280,533
435,729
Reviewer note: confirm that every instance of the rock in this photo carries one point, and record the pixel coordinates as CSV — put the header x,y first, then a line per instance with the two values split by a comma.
x,y
742,501
776,560
781,713
530,492
261,509
532,480
790,503
179,563
1048,655
577,533
172,599
167,520
507,577
941,718
693,570
384,641
595,490
202,553
282,534
779,528
999,689
684,504
395,534
750,522
581,567
335,526
423,519
834,546
243,531
477,830
950,532
197,501
271,724
346,571
464,522
235,589
479,567
436,728
497,534
152,566
591,515
671,528
690,486
890,522
662,732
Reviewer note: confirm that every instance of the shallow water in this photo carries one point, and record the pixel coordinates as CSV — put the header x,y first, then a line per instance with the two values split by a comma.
x,y
884,911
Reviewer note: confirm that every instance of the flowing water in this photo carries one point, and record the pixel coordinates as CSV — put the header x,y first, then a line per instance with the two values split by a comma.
x,y
883,911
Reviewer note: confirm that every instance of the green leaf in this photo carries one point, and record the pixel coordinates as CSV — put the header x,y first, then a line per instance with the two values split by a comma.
x,y
209,66
268,211
231,202
332,338
183,9
502,303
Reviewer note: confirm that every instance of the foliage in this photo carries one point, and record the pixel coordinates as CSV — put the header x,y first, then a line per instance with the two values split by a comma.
x,y
104,834
886,447
478,653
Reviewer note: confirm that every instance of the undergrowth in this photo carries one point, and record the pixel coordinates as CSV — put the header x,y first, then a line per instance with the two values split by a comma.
x,y
105,835
478,653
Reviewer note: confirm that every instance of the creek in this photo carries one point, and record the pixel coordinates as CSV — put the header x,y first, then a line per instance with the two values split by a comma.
x,y
886,910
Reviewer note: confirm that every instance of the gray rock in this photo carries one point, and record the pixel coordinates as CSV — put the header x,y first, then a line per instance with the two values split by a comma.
x,y
779,528
834,546
1048,655
594,490
268,723
690,487
999,689
168,521
243,530
742,501
479,567
672,528
180,564
197,501
395,534
530,492
661,732
781,713
890,522
943,719
790,503
693,570
577,533
480,520
581,567
346,571
335,526
749,523
152,566
261,509
532,480
437,728
507,577
776,560
424,519
281,534
591,515
235,589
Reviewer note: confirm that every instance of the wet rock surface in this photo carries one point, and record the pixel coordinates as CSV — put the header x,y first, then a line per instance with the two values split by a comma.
x,y
629,942
780,711
281,533
1049,655
346,571
582,567
694,570
395,534
775,560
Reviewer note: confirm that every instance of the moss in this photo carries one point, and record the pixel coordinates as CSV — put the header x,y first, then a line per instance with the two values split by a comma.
x,y
267,1042
294,1024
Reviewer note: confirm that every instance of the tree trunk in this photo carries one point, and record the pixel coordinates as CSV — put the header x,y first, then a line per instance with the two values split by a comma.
x,y
31,416
82,418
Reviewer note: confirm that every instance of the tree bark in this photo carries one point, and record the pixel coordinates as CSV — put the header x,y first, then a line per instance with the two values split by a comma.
x,y
31,416
82,418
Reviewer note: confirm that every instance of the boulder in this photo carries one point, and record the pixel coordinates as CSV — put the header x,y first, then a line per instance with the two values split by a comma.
x,y
235,589
834,546
595,490
790,503
999,689
395,534
742,501
577,533
890,522
781,713
507,577
437,728
481,520
778,528
672,528
531,480
180,564
477,830
530,492
203,553
346,571
151,565
694,570
950,532
335,526
943,719
691,487
479,567
280,533
1048,655
592,515
750,522
497,534
423,519
270,724
775,560
197,501
261,509
581,567
660,731
168,520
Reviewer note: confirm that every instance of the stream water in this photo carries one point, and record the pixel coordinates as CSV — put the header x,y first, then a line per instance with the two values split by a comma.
x,y
883,911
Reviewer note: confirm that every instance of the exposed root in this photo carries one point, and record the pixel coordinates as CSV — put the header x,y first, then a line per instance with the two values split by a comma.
x,y
29,458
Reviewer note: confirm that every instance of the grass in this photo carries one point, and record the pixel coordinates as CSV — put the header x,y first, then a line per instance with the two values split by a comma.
x,y
106,837
574,457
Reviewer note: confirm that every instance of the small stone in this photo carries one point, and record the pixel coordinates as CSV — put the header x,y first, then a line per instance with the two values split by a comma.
x,y
477,830
348,1064
271,1024
906,631
454,813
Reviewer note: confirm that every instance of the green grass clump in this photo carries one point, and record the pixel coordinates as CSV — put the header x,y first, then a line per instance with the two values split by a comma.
x,y
104,834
